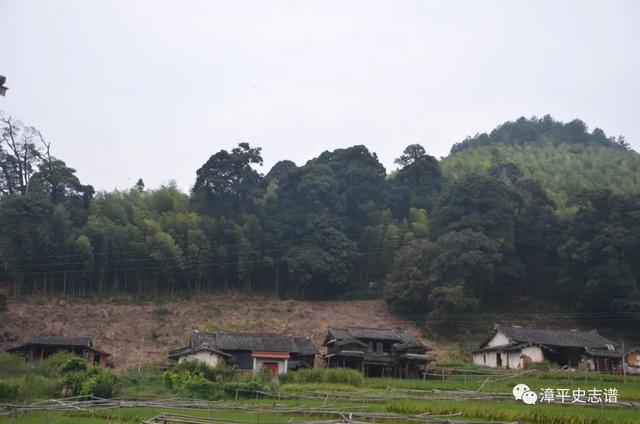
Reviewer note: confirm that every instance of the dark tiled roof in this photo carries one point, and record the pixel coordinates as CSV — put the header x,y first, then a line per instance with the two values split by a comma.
x,y
82,341
506,348
338,333
306,346
231,341
350,353
62,342
410,344
373,333
560,338
604,352
350,341
189,351
353,335
296,364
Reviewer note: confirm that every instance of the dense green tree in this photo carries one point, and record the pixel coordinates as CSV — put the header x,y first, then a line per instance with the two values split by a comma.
x,y
360,178
227,184
537,232
564,158
33,240
139,185
456,273
418,184
478,203
411,278
600,254
411,154
536,208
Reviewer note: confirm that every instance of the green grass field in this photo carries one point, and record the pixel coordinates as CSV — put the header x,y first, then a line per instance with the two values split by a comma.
x,y
472,394
504,411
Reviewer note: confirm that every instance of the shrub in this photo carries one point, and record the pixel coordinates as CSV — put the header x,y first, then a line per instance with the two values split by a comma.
x,y
11,364
80,379
34,386
52,366
8,392
218,373
99,382
75,364
320,375
177,380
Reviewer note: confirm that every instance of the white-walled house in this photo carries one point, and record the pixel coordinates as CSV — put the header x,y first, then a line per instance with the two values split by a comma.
x,y
249,351
514,347
203,353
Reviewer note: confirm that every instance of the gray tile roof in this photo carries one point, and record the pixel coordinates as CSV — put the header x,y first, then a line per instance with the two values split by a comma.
x,y
354,335
410,344
560,338
350,341
82,341
306,346
190,351
604,352
373,333
338,333
233,341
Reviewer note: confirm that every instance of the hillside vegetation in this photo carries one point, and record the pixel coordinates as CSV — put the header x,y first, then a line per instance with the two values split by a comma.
x,y
564,158
536,210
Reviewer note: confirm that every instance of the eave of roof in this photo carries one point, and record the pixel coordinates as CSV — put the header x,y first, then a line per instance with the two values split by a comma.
x,y
56,346
234,341
269,355
509,347
202,348
417,356
552,338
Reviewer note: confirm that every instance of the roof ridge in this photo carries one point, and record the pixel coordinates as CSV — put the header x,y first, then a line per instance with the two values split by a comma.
x,y
369,328
244,333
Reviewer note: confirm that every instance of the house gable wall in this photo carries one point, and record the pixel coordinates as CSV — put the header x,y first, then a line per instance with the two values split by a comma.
x,y
208,358
499,340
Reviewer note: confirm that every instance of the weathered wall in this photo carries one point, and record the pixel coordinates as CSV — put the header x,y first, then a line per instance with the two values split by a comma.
x,y
498,340
208,358
513,359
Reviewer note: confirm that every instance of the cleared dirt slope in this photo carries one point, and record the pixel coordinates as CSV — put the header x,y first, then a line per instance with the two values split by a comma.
x,y
140,333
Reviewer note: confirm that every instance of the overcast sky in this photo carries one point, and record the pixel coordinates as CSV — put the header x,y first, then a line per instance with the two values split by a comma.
x,y
129,89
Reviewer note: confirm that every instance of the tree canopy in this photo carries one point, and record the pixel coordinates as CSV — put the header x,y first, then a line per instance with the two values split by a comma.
x,y
536,208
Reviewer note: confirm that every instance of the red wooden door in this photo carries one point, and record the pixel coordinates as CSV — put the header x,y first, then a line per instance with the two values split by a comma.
x,y
271,366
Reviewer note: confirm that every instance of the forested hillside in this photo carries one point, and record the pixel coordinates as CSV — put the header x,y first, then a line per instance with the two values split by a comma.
x,y
565,158
536,209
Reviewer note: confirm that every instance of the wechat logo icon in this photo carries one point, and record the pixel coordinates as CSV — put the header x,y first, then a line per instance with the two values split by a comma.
x,y
525,394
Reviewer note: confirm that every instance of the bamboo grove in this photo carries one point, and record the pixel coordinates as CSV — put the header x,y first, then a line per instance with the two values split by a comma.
x,y
431,236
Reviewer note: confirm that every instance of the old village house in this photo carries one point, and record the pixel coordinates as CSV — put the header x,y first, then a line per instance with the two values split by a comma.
x,y
514,347
377,352
249,351
39,348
